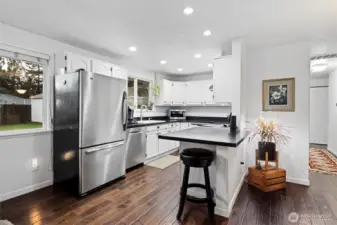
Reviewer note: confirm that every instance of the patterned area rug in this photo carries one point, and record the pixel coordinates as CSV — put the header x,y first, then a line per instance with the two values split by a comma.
x,y
322,161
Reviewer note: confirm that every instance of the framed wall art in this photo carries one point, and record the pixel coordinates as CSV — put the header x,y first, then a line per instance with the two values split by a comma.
x,y
278,95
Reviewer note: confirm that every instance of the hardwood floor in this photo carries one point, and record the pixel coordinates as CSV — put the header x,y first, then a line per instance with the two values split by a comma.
x,y
150,196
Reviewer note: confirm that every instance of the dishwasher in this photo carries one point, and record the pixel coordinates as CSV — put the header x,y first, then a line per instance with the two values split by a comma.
x,y
135,146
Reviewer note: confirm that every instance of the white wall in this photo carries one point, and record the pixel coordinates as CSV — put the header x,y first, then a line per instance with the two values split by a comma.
x,y
36,109
323,81
332,140
17,152
281,62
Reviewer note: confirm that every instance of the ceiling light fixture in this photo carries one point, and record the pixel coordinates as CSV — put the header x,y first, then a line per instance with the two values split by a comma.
x,y
132,49
207,33
197,56
163,62
180,69
210,65
188,11
319,65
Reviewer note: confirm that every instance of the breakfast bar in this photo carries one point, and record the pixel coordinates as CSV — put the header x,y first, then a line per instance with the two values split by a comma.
x,y
226,171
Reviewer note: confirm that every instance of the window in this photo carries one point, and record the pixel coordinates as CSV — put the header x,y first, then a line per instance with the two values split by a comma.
x,y
21,91
139,93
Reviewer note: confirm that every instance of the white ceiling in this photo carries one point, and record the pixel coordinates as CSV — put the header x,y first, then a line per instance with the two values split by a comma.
x,y
160,30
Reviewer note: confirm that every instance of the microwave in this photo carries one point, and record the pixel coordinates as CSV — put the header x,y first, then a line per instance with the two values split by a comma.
x,y
175,114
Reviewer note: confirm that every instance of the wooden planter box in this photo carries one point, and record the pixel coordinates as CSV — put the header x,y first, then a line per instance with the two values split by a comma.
x,y
267,180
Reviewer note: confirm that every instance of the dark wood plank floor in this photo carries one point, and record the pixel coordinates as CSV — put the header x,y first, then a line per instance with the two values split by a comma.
x,y
150,196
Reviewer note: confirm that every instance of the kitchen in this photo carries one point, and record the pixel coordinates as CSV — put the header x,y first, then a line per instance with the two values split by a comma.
x,y
148,81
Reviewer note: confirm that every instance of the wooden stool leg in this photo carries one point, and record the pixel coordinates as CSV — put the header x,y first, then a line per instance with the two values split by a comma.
x,y
211,204
183,192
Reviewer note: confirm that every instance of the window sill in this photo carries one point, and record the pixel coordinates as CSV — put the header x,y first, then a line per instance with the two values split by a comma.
x,y
26,132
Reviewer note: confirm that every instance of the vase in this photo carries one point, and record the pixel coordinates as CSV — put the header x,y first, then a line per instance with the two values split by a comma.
x,y
269,147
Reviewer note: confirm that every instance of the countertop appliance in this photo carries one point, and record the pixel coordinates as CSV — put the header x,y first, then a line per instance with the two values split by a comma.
x,y
177,114
90,119
136,147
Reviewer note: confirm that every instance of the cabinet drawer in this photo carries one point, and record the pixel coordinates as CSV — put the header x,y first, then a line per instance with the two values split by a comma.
x,y
152,128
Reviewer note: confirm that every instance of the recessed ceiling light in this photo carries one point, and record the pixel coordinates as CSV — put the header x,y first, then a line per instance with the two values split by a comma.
x,y
163,62
180,69
197,56
188,11
132,49
207,33
210,65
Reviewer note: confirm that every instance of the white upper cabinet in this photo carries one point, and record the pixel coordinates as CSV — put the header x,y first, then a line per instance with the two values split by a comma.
x,y
70,62
185,93
165,93
224,75
101,67
178,93
119,72
75,62
193,95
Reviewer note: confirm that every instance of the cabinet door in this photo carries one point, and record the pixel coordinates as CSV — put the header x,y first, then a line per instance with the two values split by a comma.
x,y
194,96
163,144
166,91
119,72
223,77
151,145
75,62
101,67
207,92
178,94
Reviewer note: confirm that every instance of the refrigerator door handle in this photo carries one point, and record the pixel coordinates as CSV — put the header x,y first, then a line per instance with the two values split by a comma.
x,y
105,147
124,111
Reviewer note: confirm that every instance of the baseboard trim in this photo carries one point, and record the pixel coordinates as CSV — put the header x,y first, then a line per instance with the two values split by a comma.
x,y
227,212
293,180
237,191
332,152
25,190
160,155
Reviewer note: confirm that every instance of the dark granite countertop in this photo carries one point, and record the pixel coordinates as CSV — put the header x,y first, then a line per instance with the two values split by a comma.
x,y
207,135
213,120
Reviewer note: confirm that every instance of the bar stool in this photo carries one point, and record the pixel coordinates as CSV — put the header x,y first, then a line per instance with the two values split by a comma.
x,y
197,158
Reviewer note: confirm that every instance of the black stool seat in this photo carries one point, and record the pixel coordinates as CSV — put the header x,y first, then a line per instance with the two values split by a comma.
x,y
198,158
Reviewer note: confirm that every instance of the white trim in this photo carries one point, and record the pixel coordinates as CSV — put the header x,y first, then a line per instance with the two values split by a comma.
x,y
237,191
135,90
332,151
23,132
21,50
25,190
305,182
227,212
160,155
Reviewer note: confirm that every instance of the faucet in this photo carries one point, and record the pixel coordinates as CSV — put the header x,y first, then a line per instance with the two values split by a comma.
x,y
141,111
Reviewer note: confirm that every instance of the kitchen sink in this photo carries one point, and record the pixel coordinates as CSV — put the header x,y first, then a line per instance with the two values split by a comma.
x,y
150,121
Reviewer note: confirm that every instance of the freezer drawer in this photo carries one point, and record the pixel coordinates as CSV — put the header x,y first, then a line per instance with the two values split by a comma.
x,y
101,164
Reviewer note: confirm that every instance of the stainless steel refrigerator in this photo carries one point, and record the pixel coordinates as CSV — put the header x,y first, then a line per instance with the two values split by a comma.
x,y
90,118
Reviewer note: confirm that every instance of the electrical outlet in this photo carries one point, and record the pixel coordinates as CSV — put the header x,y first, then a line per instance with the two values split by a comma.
x,y
35,165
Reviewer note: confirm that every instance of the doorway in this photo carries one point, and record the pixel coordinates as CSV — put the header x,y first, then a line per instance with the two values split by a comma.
x,y
323,115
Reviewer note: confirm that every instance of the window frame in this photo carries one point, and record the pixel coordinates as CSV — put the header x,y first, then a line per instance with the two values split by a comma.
x,y
46,86
135,90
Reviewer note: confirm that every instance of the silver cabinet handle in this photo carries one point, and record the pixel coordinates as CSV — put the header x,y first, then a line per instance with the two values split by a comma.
x,y
105,147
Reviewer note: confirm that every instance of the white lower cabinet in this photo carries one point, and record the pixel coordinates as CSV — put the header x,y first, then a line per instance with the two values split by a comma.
x,y
152,144
157,146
